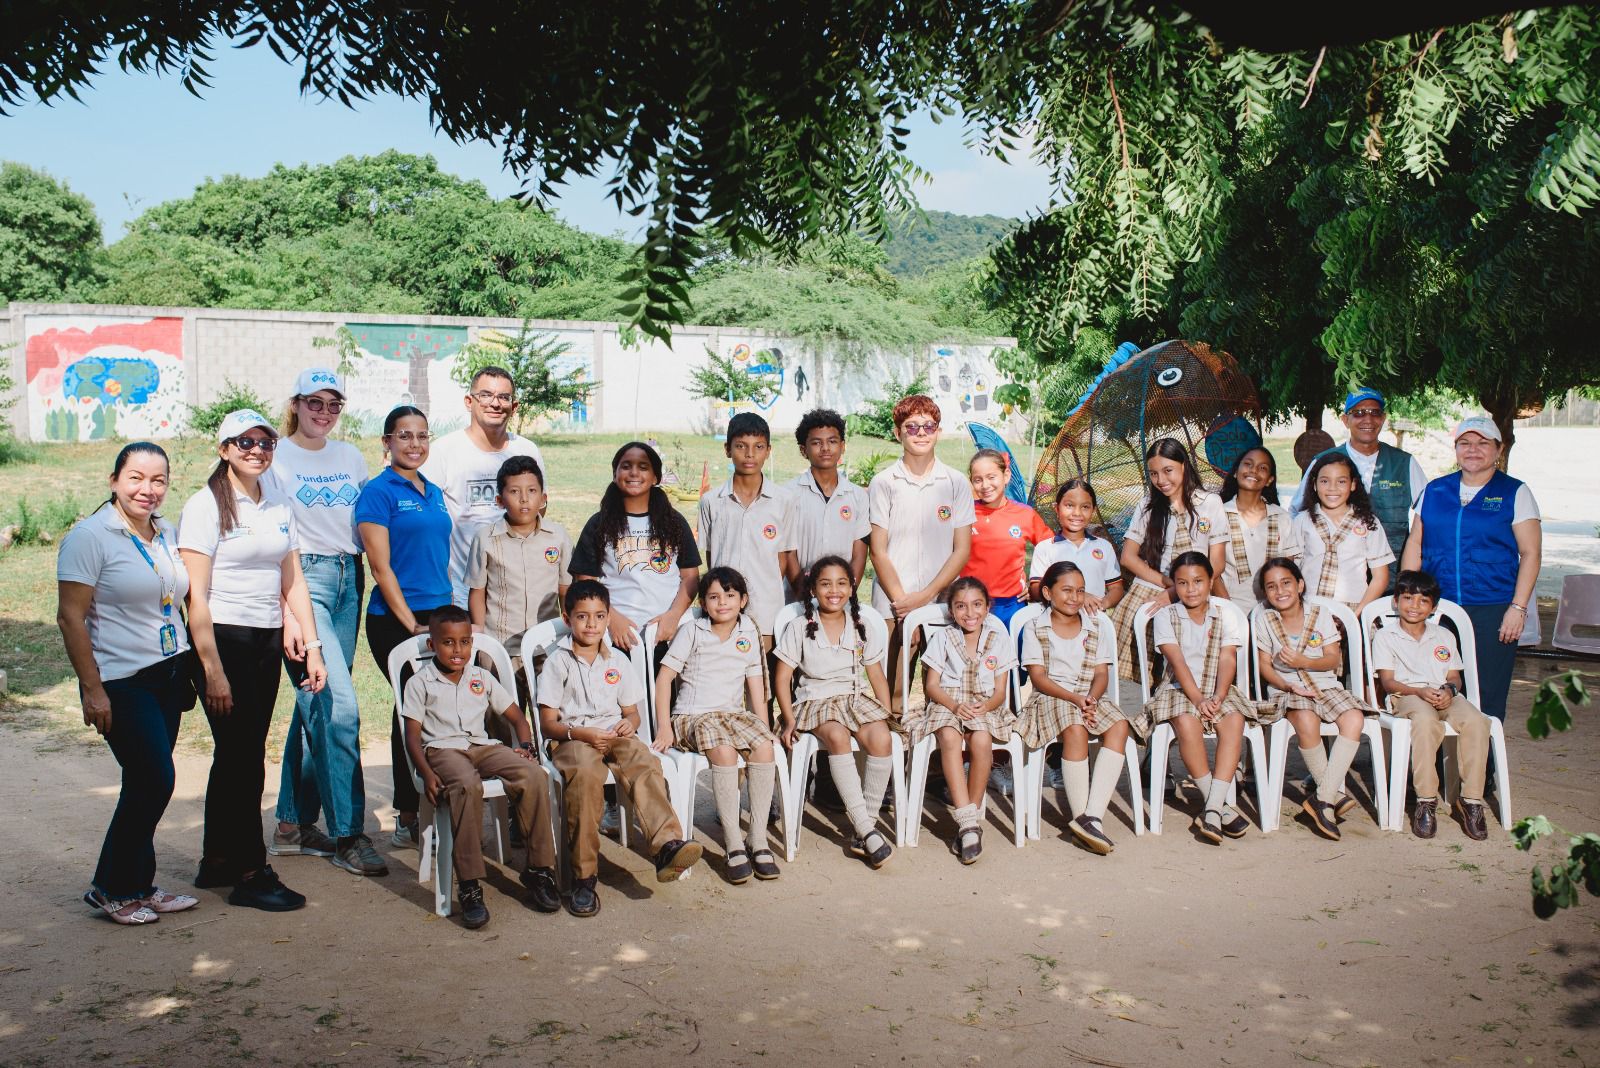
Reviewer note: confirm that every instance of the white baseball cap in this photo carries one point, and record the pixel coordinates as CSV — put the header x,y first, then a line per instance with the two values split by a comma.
x,y
236,423
1481,425
316,379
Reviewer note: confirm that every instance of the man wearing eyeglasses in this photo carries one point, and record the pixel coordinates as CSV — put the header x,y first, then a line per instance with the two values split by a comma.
x,y
464,465
1393,478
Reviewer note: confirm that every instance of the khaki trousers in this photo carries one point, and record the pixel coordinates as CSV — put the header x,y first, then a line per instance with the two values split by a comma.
x,y
527,786
1427,734
638,773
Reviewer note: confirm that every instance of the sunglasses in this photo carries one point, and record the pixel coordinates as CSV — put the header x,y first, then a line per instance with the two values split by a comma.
x,y
1366,413
919,429
251,444
317,404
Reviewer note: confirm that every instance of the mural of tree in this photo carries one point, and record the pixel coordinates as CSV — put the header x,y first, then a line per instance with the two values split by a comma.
x,y
415,346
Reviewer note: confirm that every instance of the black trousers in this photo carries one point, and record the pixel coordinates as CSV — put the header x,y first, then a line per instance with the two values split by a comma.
x,y
252,662
384,633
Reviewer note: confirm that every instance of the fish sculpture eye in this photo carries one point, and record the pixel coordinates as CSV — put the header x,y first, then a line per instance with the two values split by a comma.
x,y
1169,377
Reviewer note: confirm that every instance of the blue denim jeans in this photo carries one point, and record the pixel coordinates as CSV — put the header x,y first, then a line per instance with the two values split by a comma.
x,y
322,753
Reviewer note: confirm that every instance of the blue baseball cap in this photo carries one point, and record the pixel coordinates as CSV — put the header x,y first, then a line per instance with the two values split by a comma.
x,y
1363,394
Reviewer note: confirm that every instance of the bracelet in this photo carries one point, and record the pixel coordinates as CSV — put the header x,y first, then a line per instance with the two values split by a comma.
x,y
314,643
1521,608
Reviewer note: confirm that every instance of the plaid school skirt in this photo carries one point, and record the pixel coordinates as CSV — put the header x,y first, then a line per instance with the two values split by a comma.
x,y
1044,718
1122,617
854,710
932,716
1169,702
1334,702
703,731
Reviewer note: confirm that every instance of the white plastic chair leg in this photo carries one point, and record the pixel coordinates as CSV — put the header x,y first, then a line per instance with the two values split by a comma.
x,y
1263,776
917,786
443,863
1160,743
1399,769
1380,769
1502,770
1135,787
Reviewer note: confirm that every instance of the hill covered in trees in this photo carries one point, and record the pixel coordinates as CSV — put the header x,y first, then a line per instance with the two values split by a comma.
x,y
918,244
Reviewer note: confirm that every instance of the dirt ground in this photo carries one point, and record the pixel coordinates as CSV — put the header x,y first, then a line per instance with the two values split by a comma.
x,y
1378,950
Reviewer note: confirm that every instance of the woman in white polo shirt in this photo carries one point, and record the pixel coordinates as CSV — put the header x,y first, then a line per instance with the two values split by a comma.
x,y
119,585
239,544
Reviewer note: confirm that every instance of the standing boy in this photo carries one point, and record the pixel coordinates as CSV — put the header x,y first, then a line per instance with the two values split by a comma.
x,y
445,704
745,522
517,568
465,465
829,512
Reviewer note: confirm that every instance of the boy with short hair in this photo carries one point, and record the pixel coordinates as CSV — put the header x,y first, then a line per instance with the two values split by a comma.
x,y
829,512
445,705
746,523
517,569
1419,668
589,701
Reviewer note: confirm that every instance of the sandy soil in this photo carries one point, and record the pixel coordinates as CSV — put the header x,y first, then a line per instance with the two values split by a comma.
x,y
1380,949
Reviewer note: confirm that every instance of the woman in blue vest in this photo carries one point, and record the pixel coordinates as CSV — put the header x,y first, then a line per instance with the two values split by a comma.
x,y
1477,532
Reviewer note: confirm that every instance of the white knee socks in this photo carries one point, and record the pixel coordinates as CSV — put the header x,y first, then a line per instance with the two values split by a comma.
x,y
1204,783
876,783
725,788
1344,751
1107,770
848,782
1316,759
761,779
1075,777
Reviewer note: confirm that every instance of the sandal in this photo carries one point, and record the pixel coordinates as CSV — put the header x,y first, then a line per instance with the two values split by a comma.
x,y
129,911
158,900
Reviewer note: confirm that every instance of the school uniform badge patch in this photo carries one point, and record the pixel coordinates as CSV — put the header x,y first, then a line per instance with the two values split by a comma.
x,y
944,513
613,676
1314,640
742,644
1098,554
844,512
476,686
1441,653
770,531
991,661
1204,526
552,555
1015,531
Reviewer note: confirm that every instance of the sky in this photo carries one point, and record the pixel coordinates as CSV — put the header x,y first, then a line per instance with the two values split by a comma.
x,y
136,140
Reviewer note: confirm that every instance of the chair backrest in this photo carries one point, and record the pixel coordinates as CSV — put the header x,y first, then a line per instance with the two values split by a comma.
x,y
791,615
1579,607
1380,613
1025,617
540,640
1353,646
1141,632
414,651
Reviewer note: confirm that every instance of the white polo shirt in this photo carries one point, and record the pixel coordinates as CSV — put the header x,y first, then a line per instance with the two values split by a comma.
x,y
468,475
712,671
1359,549
1206,525
827,526
921,515
1066,654
125,616
1423,661
825,668
452,713
1095,557
247,562
322,486
589,695
1191,637
749,539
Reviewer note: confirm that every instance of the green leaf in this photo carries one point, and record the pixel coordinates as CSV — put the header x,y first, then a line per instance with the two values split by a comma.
x,y
1525,832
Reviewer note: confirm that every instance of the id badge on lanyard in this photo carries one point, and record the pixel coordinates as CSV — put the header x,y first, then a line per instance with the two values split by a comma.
x,y
169,629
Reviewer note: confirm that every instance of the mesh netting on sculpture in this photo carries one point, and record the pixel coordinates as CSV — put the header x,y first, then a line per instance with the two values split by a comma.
x,y
1177,389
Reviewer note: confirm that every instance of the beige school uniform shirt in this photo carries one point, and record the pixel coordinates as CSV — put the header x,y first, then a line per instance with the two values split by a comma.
x,y
946,656
589,695
1324,633
1193,638
1207,523
521,576
452,714
712,672
749,540
827,526
1425,661
1066,654
921,516
824,668
1243,593
1359,549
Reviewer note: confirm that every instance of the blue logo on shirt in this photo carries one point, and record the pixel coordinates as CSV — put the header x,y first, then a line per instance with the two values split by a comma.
x,y
323,497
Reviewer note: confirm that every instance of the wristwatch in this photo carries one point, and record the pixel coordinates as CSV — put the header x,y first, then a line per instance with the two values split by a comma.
x,y
525,746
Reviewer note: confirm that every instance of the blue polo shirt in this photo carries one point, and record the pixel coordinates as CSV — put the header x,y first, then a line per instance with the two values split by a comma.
x,y
419,538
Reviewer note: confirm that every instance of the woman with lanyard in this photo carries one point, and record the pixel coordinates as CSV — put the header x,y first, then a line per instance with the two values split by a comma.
x,y
404,524
239,544
1477,532
119,585
321,480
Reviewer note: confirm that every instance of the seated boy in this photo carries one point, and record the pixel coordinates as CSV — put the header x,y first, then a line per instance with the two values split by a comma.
x,y
446,702
1419,668
589,711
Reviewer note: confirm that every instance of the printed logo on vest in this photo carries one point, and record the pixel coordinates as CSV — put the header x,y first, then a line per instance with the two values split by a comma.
x,y
552,555
742,644
944,513
1492,504
769,531
844,512
660,563
1015,531
476,686
1441,653
613,676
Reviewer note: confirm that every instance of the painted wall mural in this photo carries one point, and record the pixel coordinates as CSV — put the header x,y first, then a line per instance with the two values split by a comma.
x,y
399,363
578,358
93,377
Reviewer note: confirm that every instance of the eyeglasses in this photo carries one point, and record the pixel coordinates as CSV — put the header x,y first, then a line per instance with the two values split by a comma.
x,y
1366,413
483,396
407,437
251,444
919,429
317,404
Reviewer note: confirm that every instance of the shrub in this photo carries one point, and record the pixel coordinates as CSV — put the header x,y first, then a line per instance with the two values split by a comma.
x,y
876,418
204,419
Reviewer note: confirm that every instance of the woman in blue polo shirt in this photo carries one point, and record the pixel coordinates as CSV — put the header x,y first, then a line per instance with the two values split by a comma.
x,y
1477,532
405,527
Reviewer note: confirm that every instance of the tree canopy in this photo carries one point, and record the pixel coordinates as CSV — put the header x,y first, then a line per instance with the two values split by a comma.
x,y
49,237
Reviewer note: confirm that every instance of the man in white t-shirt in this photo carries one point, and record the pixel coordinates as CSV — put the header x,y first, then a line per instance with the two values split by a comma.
x,y
464,466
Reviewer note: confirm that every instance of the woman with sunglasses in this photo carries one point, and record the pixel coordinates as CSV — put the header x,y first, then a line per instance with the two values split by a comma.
x,y
240,547
404,524
321,479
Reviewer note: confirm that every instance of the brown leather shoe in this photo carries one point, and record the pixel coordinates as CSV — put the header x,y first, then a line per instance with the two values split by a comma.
x,y
1424,823
1472,821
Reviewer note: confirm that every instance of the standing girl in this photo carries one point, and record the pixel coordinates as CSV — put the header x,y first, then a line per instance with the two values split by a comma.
x,y
718,658
1201,641
1095,557
242,551
1259,529
321,479
1176,516
405,524
1001,533
1066,654
1300,659
1344,545
964,678
119,585
828,652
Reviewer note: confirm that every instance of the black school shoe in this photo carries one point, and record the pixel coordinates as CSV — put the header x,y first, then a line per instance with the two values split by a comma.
x,y
585,901
765,864
214,874
1087,830
739,869
1208,826
474,913
1237,827
874,848
675,858
543,894
264,891
969,845
1323,821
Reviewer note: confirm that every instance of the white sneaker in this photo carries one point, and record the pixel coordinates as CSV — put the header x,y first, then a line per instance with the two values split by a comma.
x,y
1000,780
403,837
611,822
1053,777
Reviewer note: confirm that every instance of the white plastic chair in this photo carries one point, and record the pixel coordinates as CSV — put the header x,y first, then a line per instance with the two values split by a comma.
x,y
436,862
1162,737
540,641
935,615
1579,607
1355,676
802,758
690,765
1381,613
1023,618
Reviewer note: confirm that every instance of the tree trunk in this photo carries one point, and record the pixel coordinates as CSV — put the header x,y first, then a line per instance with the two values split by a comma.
x,y
1503,406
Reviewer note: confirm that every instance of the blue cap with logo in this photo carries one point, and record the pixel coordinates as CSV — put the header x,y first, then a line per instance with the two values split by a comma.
x,y
316,379
1363,394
